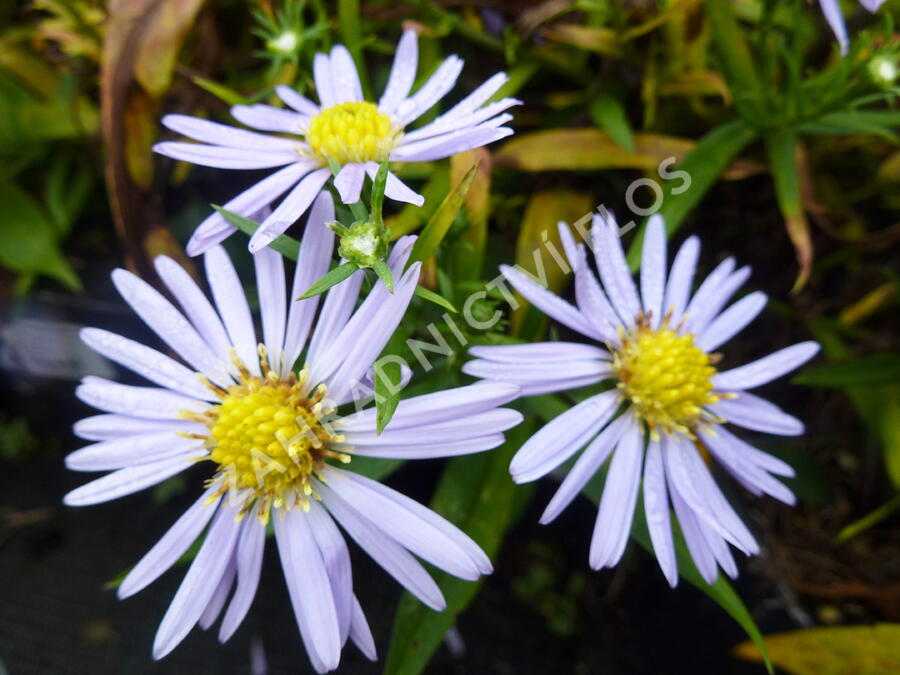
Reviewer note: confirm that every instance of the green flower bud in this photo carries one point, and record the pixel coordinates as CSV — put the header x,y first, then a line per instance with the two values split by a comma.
x,y
284,44
364,243
882,70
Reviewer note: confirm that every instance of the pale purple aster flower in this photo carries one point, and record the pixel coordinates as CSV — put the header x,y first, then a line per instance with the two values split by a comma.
x,y
667,406
835,17
355,133
270,438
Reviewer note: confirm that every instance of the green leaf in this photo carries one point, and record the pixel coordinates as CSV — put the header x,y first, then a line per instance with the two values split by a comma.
x,y
38,121
378,187
220,91
538,232
285,245
868,521
28,238
875,122
384,273
348,20
465,261
608,113
475,493
437,299
875,370
438,225
781,148
388,375
737,62
584,149
66,191
703,166
331,278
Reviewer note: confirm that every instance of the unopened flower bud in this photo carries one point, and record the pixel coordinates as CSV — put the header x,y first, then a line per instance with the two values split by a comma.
x,y
364,243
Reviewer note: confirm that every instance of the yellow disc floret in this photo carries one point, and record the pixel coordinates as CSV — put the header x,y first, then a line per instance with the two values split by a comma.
x,y
665,377
352,132
269,438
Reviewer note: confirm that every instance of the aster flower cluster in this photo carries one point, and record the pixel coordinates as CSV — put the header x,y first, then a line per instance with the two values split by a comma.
x,y
267,423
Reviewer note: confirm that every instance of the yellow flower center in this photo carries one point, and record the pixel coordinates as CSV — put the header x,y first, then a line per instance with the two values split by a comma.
x,y
665,377
352,132
268,437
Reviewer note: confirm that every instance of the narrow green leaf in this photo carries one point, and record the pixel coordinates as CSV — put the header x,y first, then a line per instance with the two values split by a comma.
x,y
871,371
384,273
475,493
331,278
348,20
781,149
437,299
66,190
868,521
609,114
845,122
737,61
387,381
438,225
285,245
702,168
378,187
465,259
220,91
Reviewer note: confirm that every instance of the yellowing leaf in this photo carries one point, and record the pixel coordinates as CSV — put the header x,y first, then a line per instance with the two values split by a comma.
x,y
161,40
870,303
468,253
890,168
538,246
784,153
581,149
159,241
660,19
842,650
140,122
601,40
696,83
142,39
28,67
